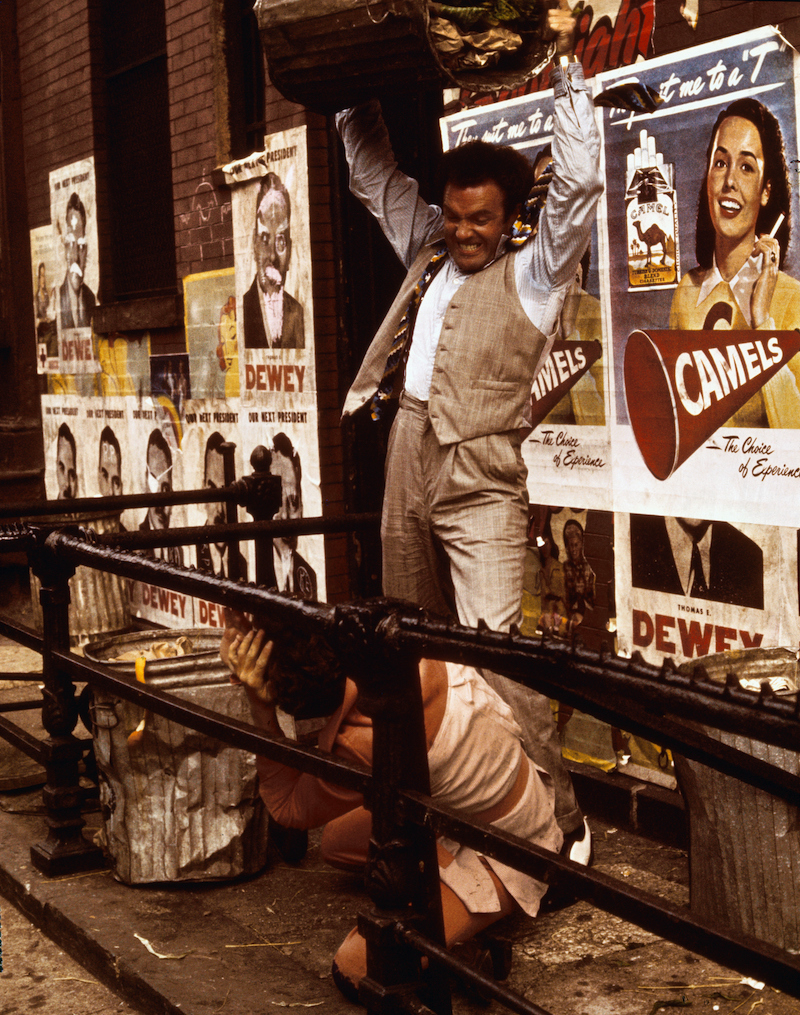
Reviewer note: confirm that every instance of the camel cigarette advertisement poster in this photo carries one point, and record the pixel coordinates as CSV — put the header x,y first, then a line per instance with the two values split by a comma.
x,y
699,244
567,443
73,214
272,250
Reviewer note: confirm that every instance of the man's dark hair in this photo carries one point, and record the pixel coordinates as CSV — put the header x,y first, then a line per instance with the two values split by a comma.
x,y
214,443
107,436
158,440
775,173
64,433
479,162
273,182
75,204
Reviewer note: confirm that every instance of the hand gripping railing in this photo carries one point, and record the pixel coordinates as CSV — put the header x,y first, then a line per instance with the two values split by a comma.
x,y
380,643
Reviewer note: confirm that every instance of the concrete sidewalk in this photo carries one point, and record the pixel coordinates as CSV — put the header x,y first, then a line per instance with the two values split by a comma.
x,y
248,946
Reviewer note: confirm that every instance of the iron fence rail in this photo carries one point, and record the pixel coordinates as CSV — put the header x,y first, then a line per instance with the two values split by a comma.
x,y
380,643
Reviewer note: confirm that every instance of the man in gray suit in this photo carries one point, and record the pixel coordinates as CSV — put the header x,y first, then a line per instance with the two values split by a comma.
x,y
487,276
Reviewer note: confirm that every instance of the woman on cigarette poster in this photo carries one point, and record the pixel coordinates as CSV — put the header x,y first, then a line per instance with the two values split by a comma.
x,y
741,239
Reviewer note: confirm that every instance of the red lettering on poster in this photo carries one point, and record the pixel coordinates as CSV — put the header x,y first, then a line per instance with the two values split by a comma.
x,y
211,614
77,349
599,45
274,377
695,639
751,640
726,636
663,643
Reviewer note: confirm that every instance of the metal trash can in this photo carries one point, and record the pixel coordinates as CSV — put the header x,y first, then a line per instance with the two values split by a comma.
x,y
177,805
99,602
744,843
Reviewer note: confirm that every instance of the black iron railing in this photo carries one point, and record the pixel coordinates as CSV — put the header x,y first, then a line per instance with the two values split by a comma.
x,y
380,644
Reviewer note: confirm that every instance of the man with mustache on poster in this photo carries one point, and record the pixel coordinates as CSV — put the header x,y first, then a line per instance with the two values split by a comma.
x,y
292,573
66,464
741,239
487,276
76,299
272,318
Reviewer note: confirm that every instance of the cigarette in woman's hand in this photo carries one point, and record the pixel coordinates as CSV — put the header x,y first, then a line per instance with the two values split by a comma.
x,y
777,225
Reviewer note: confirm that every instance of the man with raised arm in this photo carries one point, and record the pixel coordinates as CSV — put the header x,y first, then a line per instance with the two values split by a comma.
x,y
474,319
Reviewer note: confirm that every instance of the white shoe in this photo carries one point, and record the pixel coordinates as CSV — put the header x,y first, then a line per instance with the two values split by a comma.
x,y
578,845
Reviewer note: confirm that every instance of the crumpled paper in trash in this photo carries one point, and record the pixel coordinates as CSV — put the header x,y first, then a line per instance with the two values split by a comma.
x,y
158,650
469,50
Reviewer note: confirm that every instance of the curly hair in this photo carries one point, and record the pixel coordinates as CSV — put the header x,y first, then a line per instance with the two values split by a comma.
x,y
775,174
478,162
306,676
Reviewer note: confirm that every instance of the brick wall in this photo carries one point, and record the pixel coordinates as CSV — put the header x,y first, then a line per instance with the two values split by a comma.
x,y
203,231
57,96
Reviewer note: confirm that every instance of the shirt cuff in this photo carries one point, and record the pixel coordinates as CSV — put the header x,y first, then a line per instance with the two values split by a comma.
x,y
562,79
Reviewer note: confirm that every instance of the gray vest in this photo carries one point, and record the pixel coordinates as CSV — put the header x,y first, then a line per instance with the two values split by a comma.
x,y
484,364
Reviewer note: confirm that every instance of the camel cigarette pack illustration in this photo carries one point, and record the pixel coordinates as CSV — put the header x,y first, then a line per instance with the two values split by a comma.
x,y
651,217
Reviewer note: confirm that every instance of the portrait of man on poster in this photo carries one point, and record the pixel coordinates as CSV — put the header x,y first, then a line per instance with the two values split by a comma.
x,y
697,558
293,574
272,318
66,464
109,466
158,479
215,557
76,301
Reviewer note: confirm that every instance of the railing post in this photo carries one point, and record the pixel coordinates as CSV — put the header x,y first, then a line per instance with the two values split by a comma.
x,y
65,850
228,450
261,497
402,875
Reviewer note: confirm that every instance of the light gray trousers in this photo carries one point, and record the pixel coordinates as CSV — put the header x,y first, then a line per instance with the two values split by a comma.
x,y
453,533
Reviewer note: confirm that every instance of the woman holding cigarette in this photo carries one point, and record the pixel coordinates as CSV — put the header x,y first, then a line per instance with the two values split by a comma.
x,y
742,234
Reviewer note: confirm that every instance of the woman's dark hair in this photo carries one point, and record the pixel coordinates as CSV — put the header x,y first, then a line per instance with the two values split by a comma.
x,y
775,173
478,162
306,676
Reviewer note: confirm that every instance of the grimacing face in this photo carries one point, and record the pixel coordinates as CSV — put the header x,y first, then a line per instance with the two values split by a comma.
x,y
109,479
475,220
735,187
272,242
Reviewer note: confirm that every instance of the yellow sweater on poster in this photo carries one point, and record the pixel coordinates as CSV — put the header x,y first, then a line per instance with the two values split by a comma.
x,y
777,404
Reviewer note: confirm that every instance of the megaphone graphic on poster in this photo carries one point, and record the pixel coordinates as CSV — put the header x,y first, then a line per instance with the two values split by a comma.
x,y
681,386
567,363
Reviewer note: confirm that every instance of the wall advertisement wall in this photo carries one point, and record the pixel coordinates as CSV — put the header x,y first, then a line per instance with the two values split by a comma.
x,y
127,421
669,409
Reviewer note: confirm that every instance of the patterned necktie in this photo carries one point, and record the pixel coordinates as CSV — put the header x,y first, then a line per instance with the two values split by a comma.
x,y
523,229
401,343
